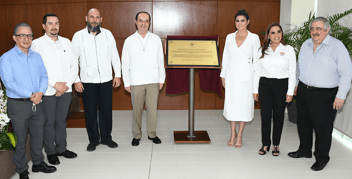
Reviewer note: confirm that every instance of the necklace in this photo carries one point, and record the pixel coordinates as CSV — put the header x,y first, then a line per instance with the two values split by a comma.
x,y
142,43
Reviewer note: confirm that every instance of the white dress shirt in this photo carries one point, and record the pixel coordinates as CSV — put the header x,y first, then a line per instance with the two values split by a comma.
x,y
279,64
142,60
97,56
59,61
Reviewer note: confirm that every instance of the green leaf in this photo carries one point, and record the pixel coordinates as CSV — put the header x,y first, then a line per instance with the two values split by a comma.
x,y
6,146
12,138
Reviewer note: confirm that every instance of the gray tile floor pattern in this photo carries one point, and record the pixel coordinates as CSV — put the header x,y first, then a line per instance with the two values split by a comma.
x,y
192,161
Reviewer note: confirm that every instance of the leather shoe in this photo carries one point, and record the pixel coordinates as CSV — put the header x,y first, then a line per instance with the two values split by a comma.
x,y
110,143
155,140
317,166
24,175
135,142
297,154
92,146
53,159
43,167
67,154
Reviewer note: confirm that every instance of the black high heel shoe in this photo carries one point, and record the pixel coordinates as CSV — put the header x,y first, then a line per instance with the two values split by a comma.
x,y
276,152
263,151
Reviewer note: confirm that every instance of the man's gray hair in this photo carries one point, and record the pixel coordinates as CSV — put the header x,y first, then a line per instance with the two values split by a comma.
x,y
20,25
326,23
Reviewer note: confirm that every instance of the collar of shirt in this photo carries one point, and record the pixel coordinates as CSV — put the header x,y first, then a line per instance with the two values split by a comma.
x,y
139,35
30,52
95,34
277,48
325,41
51,41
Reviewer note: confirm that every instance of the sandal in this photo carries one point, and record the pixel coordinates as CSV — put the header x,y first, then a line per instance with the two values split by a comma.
x,y
262,150
231,143
238,142
276,152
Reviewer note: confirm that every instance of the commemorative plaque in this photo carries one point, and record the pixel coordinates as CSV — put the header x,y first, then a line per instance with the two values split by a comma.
x,y
192,52
185,53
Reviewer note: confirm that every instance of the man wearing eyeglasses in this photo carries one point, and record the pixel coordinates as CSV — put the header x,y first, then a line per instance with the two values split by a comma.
x,y
58,58
24,75
324,72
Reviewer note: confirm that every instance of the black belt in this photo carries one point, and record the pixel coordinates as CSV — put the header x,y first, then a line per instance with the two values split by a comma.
x,y
21,99
313,87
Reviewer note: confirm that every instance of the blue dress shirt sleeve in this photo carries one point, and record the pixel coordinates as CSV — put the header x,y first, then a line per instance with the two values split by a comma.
x,y
9,81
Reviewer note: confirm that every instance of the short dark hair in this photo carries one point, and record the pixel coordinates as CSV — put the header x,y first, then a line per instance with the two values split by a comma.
x,y
242,12
21,25
48,15
150,19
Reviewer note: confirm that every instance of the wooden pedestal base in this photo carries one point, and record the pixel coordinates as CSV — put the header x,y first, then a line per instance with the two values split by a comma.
x,y
180,137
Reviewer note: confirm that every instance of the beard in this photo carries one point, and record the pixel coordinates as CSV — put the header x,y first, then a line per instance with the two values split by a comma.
x,y
93,29
53,33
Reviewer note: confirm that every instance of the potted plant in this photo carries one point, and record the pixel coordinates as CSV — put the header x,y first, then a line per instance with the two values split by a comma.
x,y
7,139
299,35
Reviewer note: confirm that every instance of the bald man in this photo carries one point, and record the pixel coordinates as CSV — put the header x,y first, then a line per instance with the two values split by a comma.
x,y
96,49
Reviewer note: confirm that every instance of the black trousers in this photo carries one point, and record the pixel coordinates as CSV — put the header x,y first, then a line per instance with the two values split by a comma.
x,y
272,96
315,111
98,94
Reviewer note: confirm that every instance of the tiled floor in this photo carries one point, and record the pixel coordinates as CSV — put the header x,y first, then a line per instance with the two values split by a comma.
x,y
192,161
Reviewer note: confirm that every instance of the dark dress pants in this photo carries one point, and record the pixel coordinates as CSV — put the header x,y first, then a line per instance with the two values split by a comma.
x,y
315,111
98,94
24,120
272,96
55,114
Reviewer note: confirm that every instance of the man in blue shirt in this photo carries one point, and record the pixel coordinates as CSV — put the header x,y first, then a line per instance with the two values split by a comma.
x,y
324,72
24,75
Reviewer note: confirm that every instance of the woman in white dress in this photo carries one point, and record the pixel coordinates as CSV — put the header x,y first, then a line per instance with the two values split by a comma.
x,y
275,74
236,76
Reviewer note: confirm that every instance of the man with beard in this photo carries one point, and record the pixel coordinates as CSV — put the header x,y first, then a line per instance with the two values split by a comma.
x,y
324,72
58,58
144,75
97,52
24,75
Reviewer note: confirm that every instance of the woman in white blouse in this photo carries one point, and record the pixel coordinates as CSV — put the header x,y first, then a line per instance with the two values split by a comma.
x,y
237,73
275,74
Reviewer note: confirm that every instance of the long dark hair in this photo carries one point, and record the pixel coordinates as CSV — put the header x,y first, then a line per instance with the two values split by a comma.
x,y
267,40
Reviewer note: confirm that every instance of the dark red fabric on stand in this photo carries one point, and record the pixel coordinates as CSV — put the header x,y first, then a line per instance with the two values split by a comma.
x,y
178,79
172,37
210,80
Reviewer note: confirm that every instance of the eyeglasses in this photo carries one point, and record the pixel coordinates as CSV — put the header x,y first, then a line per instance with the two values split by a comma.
x,y
23,36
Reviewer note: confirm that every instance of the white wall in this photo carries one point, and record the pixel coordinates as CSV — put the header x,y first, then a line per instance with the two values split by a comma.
x,y
285,14
301,10
331,7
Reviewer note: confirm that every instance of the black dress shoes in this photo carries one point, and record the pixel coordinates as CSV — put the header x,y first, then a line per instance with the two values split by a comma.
x,y
53,160
43,167
109,143
67,154
155,140
317,166
92,146
24,175
297,154
135,142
